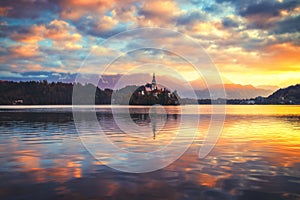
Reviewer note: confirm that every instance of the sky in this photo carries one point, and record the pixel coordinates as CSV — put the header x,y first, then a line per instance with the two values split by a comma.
x,y
253,42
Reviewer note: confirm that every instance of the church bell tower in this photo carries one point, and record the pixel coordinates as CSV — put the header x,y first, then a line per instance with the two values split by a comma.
x,y
153,82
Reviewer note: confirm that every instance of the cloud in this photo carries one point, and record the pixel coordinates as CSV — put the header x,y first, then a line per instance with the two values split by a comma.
x,y
3,23
8,75
268,9
207,32
63,35
263,14
190,18
24,51
76,9
103,27
27,9
5,10
263,9
229,23
56,35
125,13
107,23
37,76
288,25
33,35
101,18
158,13
36,67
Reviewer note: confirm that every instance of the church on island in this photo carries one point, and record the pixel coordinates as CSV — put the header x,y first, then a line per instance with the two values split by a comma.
x,y
150,94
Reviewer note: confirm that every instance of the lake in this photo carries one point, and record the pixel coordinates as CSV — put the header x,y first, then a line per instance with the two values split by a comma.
x,y
257,155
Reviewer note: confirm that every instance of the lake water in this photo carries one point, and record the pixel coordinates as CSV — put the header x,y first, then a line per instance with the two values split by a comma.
x,y
257,155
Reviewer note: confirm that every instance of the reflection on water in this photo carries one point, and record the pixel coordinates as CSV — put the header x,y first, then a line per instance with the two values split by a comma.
x,y
256,157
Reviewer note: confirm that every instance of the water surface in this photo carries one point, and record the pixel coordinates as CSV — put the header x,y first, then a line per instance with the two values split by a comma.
x,y
256,157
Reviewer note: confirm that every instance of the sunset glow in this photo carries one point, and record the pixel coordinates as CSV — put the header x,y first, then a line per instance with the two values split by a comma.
x,y
251,42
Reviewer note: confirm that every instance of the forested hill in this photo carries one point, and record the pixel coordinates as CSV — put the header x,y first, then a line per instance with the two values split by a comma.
x,y
289,95
44,93
285,96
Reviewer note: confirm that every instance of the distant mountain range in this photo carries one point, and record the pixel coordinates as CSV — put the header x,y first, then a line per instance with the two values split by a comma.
x,y
232,91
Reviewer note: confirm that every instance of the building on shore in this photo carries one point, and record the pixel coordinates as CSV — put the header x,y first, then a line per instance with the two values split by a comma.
x,y
151,93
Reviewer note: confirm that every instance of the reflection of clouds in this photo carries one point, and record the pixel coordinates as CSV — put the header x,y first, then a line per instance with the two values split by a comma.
x,y
28,159
60,169
253,135
248,138
37,146
207,180
255,156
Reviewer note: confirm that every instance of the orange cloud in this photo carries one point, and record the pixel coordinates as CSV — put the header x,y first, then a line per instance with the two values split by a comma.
x,y
27,67
152,13
4,11
36,67
75,9
160,7
158,13
24,51
125,14
34,35
107,23
72,46
60,32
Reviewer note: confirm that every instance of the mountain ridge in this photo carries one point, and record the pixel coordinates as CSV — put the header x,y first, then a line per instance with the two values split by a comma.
x,y
288,95
232,91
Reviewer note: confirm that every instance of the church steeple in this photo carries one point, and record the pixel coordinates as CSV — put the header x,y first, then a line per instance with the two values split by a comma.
x,y
153,82
153,79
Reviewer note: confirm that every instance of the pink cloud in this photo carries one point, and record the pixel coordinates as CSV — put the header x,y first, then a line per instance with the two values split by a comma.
x,y
60,32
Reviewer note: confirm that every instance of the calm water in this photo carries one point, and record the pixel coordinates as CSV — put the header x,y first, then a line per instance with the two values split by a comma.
x,y
257,156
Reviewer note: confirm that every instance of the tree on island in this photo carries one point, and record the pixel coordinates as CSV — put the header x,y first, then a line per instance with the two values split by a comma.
x,y
146,96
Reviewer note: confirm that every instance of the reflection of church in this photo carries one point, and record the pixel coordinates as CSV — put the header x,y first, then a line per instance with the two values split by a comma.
x,y
150,94
153,118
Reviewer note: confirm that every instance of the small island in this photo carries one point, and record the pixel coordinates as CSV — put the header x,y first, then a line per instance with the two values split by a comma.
x,y
150,94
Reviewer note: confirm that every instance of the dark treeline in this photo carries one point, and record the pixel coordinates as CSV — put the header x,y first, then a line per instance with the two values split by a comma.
x,y
157,96
44,93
